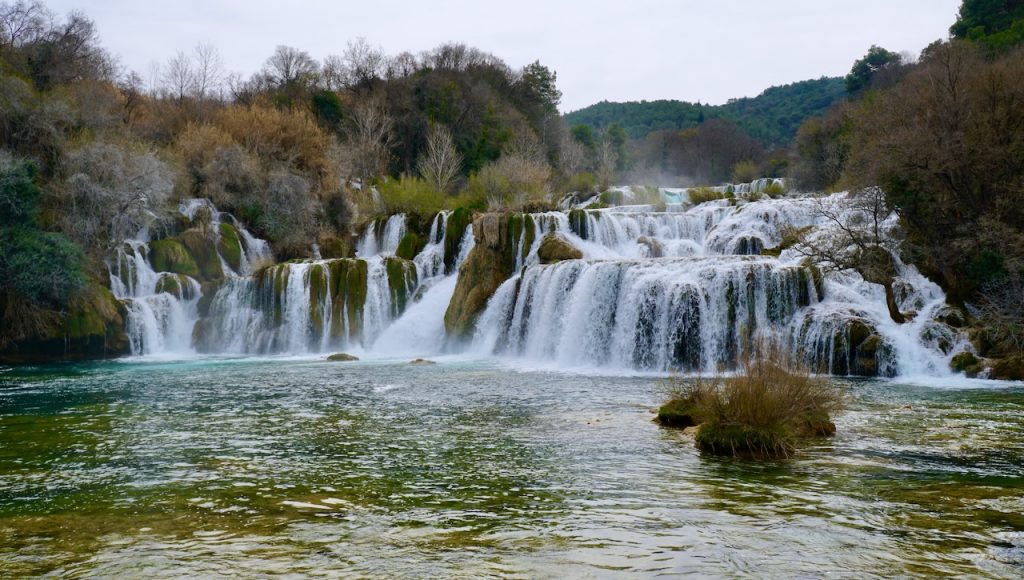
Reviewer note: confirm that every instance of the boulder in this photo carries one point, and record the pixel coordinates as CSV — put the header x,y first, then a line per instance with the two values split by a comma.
x,y
422,362
342,357
555,248
654,248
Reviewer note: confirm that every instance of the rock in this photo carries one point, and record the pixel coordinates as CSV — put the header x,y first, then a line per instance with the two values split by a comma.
x,y
967,363
488,265
555,248
952,316
654,247
1008,369
409,246
677,413
454,231
230,247
170,255
204,251
342,357
422,362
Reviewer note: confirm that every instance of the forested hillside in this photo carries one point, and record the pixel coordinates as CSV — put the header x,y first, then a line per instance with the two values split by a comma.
x,y
771,117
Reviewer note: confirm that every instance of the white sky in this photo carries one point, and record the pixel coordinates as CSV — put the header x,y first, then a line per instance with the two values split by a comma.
x,y
707,50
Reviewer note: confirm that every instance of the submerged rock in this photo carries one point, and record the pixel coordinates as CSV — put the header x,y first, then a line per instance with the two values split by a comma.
x,y
342,357
555,248
422,362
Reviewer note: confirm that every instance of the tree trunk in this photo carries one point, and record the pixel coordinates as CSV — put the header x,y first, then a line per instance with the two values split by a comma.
x,y
890,302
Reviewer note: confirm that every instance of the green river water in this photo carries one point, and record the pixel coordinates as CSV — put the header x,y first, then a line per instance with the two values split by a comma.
x,y
466,469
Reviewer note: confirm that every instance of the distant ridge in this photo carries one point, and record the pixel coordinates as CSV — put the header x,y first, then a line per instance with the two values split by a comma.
x,y
772,117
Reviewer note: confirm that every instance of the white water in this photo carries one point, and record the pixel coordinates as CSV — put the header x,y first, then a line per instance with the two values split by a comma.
x,y
655,291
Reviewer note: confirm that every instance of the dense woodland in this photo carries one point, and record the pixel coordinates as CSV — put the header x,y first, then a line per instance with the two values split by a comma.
x,y
89,152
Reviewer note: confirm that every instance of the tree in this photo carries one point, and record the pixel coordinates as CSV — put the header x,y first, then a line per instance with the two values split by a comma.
x,y
998,24
178,77
208,71
861,234
440,164
864,69
370,138
539,83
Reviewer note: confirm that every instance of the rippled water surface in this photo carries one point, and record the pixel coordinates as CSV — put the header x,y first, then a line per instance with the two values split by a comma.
x,y
246,467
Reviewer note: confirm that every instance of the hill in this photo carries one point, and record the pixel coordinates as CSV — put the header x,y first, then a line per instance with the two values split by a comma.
x,y
771,117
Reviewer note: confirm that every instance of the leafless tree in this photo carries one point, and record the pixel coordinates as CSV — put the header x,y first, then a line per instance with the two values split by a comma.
x,y
23,22
208,71
363,64
607,159
178,77
861,236
402,65
332,73
440,163
370,136
112,193
1002,311
290,66
572,157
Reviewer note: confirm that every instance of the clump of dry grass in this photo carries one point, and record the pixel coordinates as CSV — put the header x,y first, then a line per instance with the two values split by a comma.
x,y
761,411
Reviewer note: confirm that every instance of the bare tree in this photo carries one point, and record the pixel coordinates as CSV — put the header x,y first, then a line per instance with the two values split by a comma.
x,y
607,159
178,77
861,235
290,66
440,163
23,22
1002,311
363,64
572,157
332,73
208,71
370,137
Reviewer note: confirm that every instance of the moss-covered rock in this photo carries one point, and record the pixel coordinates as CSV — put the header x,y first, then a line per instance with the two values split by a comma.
x,y
348,278
333,247
401,280
555,248
171,255
967,363
1010,368
208,291
230,246
678,412
489,264
204,252
410,245
454,231
422,362
342,357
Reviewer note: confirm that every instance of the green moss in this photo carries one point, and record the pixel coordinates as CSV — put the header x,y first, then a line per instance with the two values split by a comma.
x,y
578,222
204,252
966,363
678,412
317,297
230,247
170,284
342,357
170,255
401,280
458,221
529,234
743,441
347,284
208,293
410,245
611,197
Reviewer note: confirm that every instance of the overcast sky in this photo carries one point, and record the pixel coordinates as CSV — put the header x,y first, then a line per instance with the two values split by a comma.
x,y
707,50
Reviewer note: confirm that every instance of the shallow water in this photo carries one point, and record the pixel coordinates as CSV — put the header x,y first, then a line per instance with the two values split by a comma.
x,y
470,468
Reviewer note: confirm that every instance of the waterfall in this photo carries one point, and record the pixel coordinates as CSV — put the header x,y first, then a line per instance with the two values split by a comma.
x,y
161,306
690,287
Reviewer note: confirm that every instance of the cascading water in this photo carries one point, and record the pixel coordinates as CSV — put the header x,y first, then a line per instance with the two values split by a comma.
x,y
690,287
677,290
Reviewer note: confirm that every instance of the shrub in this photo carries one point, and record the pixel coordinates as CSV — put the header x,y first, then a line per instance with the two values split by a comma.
x,y
744,171
584,182
410,194
759,412
699,195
